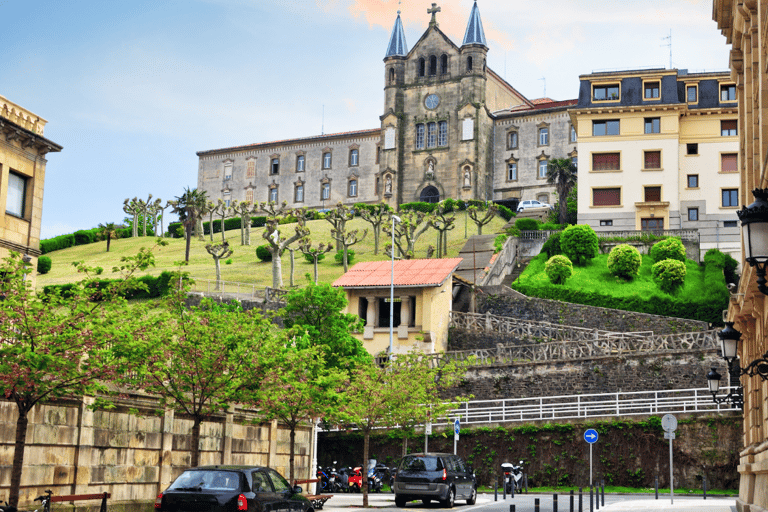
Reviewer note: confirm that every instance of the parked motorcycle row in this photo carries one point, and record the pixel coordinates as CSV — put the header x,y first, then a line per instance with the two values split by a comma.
x,y
350,479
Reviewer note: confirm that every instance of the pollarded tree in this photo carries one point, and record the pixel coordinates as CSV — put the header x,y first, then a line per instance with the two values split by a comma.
x,y
411,226
482,215
305,246
276,240
345,238
376,215
54,346
562,173
443,221
224,212
211,211
133,208
145,207
244,210
219,252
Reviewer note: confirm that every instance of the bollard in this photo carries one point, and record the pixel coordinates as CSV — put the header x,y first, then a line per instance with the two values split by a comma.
x,y
512,491
572,500
581,508
536,505
657,487
525,476
504,489
511,508
704,482
591,503
495,491
554,503
602,488
597,496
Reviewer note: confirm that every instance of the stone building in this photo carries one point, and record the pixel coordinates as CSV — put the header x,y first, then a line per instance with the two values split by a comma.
x,y
22,179
743,23
451,128
659,151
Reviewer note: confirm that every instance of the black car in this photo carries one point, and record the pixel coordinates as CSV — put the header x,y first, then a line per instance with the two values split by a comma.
x,y
231,489
434,476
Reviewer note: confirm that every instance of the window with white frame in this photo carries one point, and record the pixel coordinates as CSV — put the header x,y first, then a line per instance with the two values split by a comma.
x,y
325,191
300,163
543,168
327,160
17,194
299,193
419,136
354,156
543,136
273,194
431,135
352,189
228,171
511,171
442,133
512,140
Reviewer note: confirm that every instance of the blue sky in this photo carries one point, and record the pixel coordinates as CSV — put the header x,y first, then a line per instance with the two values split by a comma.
x,y
132,89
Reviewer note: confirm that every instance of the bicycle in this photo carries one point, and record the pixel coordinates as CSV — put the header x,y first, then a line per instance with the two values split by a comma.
x,y
45,501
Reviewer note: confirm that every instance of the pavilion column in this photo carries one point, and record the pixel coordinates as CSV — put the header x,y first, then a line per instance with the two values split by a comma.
x,y
405,317
370,318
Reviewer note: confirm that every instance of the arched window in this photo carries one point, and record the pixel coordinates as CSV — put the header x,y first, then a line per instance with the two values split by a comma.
x,y
422,66
432,65
391,75
444,65
430,194
469,64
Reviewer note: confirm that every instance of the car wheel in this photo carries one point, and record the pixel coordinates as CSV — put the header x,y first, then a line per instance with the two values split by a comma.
x,y
426,501
399,501
448,503
472,497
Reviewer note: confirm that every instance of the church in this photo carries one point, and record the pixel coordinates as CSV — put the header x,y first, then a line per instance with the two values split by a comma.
x,y
451,128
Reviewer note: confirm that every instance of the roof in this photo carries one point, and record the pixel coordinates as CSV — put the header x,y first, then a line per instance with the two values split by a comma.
x,y
408,273
397,44
314,138
474,33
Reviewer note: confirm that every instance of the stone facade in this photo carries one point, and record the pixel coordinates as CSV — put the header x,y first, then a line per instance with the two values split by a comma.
x,y
22,180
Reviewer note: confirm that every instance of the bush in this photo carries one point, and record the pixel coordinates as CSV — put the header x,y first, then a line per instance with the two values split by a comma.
x,y
669,275
552,246
339,257
579,243
527,224
44,264
669,249
558,269
624,261
552,226
729,269
505,212
263,253
320,257
57,243
83,237
419,206
498,242
156,286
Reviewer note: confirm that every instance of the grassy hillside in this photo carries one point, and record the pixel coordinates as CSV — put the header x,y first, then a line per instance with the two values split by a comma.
x,y
245,267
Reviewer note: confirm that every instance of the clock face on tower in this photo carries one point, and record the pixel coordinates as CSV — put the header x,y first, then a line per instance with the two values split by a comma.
x,y
432,101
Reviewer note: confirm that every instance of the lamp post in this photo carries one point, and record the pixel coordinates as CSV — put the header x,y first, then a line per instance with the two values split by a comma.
x,y
395,218
754,223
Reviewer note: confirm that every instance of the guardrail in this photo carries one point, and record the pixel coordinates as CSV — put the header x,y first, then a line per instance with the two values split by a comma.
x,y
229,287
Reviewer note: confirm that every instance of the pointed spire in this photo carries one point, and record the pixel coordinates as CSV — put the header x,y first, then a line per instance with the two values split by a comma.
x,y
474,33
397,45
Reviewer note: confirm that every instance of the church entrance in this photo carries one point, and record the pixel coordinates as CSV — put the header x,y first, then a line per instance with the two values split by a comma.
x,y
430,194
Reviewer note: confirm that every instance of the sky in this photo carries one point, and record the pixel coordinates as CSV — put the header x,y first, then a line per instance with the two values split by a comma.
x,y
133,89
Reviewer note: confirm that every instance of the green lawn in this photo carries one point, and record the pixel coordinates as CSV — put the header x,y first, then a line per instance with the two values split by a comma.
x,y
245,267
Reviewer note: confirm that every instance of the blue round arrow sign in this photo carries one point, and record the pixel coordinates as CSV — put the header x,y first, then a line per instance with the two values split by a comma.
x,y
591,436
456,426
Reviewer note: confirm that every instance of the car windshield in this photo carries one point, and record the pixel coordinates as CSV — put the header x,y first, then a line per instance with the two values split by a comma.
x,y
421,464
207,480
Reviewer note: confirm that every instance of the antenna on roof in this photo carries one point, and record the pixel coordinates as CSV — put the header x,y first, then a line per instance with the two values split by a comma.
x,y
668,45
545,85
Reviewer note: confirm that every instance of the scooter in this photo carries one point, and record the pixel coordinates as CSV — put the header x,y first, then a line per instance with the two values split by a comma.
x,y
333,480
513,475
322,477
375,483
356,479
343,479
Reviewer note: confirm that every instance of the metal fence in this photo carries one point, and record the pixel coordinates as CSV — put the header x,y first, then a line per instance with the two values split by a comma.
x,y
248,290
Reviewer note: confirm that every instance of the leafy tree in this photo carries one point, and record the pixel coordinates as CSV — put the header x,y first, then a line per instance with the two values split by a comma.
x,y
411,226
562,173
189,207
53,346
338,218
219,252
318,310
482,215
107,232
276,240
314,254
624,261
406,390
375,215
579,243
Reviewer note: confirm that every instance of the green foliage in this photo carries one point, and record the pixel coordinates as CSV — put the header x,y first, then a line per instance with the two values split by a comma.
x,y
339,256
579,243
263,253
624,261
558,269
668,249
526,224
151,287
44,264
552,246
418,206
311,259
228,261
669,275
552,226
505,212
725,261
498,242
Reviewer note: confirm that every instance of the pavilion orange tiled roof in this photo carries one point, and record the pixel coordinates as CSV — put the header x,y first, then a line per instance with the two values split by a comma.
x,y
408,273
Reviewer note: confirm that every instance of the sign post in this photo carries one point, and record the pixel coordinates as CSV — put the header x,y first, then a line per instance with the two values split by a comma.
x,y
591,437
456,430
669,424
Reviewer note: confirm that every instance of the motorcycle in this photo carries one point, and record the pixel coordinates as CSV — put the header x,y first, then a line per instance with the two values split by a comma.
x,y
375,482
333,480
513,476
323,480
343,479
356,479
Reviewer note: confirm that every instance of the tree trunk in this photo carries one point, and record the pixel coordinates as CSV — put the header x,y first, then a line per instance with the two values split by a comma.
x,y
218,272
291,450
366,446
277,269
292,267
144,223
248,233
135,230
563,214
195,448
109,239
376,229
222,229
188,233
199,229
346,265
18,457
315,262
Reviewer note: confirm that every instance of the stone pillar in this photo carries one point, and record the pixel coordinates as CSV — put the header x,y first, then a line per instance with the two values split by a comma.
x,y
166,455
370,318
226,442
405,317
84,449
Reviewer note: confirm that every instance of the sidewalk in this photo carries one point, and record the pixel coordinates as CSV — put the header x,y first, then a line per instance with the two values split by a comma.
x,y
681,504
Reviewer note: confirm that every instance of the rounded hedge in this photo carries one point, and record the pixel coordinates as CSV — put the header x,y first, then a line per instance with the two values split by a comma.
x,y
669,275
527,224
668,249
44,264
339,257
558,268
579,243
624,261
263,253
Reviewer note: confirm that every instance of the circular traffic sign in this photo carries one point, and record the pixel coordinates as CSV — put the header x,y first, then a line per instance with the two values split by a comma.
x,y
456,426
591,436
669,423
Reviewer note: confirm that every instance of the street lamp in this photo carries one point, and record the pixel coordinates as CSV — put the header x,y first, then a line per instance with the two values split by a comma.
x,y
395,218
735,397
754,223
729,342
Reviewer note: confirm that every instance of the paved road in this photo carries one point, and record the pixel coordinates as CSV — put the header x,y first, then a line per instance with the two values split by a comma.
x,y
526,503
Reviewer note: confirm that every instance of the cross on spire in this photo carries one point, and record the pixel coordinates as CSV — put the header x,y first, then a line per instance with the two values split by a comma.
x,y
433,11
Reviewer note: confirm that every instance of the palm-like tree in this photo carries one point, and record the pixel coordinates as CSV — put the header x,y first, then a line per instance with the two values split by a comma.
x,y
107,232
562,174
189,207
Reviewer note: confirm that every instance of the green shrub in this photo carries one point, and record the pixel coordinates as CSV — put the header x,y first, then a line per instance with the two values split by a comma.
x,y
624,261
44,264
339,257
579,243
505,212
83,237
320,257
552,246
669,249
498,242
228,261
57,243
527,224
558,269
552,226
730,269
669,275
263,253
419,206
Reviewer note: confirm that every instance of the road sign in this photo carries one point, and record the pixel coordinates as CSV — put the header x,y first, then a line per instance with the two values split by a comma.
x,y
669,435
428,428
669,423
456,426
591,436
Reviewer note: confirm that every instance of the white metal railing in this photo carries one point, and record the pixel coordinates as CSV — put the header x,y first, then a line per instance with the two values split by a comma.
x,y
231,287
553,408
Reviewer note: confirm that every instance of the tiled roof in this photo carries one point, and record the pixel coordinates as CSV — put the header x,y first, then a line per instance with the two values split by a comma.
x,y
313,138
408,273
537,101
553,103
397,44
